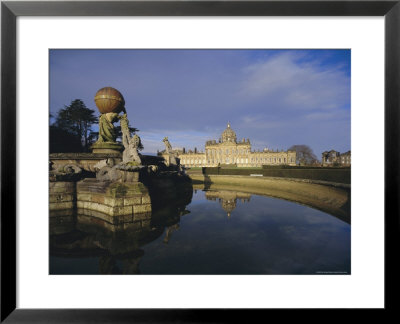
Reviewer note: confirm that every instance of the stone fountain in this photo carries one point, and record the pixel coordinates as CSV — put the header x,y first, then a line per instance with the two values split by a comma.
x,y
115,179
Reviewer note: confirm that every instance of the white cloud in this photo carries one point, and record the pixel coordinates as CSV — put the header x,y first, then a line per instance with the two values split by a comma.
x,y
284,81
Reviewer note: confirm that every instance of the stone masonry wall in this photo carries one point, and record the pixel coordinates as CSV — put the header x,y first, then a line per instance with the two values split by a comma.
x,y
114,199
62,195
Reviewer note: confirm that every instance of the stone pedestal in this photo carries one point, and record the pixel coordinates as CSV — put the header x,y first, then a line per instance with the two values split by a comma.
x,y
169,159
129,199
107,147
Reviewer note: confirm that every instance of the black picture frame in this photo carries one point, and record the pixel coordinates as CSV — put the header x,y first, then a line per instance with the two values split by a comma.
x,y
10,10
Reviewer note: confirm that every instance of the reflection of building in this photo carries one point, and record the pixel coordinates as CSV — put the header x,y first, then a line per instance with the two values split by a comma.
x,y
228,199
230,151
335,158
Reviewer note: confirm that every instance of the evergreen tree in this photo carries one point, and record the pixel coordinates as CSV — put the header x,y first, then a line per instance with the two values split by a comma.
x,y
77,120
62,141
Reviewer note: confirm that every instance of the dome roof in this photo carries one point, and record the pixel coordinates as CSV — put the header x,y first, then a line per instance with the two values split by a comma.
x,y
229,206
228,135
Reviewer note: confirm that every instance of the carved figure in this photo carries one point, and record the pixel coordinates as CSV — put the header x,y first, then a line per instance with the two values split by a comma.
x,y
107,132
131,144
106,162
72,168
108,173
66,172
168,147
168,150
119,172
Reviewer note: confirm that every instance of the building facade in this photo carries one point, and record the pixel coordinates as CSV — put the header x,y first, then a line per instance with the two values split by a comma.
x,y
335,158
229,151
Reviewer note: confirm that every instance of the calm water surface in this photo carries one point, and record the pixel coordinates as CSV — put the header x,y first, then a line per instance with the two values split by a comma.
x,y
219,232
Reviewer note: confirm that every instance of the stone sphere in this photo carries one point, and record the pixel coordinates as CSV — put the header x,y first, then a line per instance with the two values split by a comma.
x,y
109,100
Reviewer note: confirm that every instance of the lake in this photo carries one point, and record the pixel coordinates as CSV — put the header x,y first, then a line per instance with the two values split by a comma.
x,y
217,232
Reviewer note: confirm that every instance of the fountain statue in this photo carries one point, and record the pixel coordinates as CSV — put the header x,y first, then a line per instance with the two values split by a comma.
x,y
171,159
131,144
115,179
110,103
107,131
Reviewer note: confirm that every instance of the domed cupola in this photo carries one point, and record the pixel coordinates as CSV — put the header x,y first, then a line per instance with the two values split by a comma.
x,y
228,135
229,206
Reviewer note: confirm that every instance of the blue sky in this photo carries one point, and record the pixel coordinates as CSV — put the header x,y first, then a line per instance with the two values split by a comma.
x,y
276,98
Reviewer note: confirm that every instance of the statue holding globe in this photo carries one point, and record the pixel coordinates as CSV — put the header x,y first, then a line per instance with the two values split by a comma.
x,y
107,131
110,103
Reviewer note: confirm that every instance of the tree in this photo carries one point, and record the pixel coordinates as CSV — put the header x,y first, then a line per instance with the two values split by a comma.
x,y
304,154
77,120
62,141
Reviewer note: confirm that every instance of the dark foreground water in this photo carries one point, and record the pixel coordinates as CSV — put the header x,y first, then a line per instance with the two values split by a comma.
x,y
218,232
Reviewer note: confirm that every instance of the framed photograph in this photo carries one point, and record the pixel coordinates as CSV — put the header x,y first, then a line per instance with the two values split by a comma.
x,y
239,154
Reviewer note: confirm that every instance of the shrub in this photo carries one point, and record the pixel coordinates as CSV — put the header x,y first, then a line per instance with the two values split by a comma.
x,y
340,175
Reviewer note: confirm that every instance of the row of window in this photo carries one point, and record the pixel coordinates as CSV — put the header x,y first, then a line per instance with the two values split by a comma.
x,y
193,161
226,151
234,160
272,160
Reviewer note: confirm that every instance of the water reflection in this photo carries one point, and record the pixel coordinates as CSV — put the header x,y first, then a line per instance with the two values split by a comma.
x,y
193,236
227,199
83,238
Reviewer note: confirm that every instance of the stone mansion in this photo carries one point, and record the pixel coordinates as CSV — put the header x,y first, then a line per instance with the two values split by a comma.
x,y
227,150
